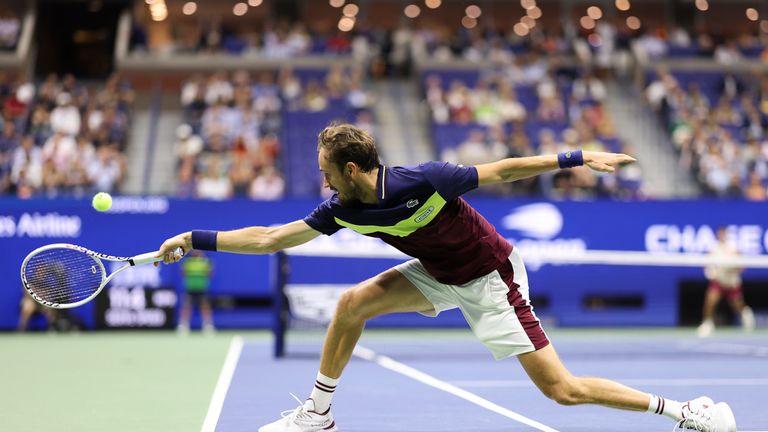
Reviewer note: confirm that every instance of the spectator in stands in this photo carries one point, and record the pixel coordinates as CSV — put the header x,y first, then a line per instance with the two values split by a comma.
x,y
715,172
755,190
51,181
17,102
193,90
509,107
26,167
731,86
458,99
290,87
650,46
364,121
218,89
357,96
314,97
65,118
497,142
282,42
76,179
725,114
268,185
219,120
60,149
485,109
588,89
753,123
728,53
241,175
474,150
552,110
658,92
188,144
706,45
697,102
435,98
107,169
186,183
213,184
9,140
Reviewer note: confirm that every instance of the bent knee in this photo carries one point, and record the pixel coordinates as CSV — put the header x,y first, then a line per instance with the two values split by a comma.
x,y
356,305
348,306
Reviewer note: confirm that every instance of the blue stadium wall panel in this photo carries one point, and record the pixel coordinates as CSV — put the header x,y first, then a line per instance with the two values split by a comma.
x,y
571,295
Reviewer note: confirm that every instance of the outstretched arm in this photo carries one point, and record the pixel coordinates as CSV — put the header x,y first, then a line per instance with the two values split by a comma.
x,y
251,240
511,169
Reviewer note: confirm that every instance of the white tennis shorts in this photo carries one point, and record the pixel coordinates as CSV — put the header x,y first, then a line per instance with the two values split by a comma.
x,y
496,306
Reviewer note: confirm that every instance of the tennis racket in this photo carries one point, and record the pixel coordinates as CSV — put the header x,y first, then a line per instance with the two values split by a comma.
x,y
64,276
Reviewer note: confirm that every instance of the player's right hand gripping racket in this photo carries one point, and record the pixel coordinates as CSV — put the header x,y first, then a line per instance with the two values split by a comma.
x,y
63,275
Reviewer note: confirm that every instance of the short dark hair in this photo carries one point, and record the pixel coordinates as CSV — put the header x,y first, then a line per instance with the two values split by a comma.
x,y
346,143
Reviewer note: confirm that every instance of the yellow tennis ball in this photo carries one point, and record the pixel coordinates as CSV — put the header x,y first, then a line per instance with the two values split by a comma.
x,y
102,201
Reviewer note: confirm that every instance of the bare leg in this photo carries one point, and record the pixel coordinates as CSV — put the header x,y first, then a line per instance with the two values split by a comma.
x,y
707,325
28,307
385,293
206,312
710,302
551,377
741,308
737,304
186,312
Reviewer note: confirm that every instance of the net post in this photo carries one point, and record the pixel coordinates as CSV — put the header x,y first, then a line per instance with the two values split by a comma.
x,y
279,310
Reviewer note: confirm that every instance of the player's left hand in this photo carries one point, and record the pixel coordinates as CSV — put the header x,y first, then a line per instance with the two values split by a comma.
x,y
606,162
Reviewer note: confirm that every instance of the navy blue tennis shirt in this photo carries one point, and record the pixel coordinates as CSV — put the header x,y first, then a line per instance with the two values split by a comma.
x,y
421,213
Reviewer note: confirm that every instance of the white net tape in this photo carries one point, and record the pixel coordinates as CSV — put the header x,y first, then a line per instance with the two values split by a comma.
x,y
315,304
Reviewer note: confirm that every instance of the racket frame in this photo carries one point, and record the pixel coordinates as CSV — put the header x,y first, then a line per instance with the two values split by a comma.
x,y
145,258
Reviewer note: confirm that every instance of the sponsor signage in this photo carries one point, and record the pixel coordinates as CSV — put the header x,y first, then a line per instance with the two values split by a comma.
x,y
137,224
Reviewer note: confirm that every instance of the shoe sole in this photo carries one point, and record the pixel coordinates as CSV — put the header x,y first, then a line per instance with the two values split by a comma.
x,y
725,411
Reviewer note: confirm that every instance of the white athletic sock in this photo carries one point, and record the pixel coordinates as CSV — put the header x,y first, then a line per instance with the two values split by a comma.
x,y
747,318
668,407
323,391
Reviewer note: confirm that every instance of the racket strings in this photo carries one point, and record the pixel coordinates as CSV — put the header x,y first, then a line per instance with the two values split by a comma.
x,y
62,275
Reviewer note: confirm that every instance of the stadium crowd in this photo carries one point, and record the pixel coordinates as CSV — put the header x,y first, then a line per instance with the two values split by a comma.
x,y
529,108
718,123
61,138
230,142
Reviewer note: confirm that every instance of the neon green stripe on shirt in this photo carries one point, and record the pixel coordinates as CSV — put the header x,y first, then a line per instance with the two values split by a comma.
x,y
420,218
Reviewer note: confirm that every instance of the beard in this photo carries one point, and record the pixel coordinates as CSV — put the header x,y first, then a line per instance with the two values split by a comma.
x,y
349,196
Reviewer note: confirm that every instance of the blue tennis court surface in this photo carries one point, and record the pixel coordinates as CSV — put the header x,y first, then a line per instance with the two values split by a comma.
x,y
391,389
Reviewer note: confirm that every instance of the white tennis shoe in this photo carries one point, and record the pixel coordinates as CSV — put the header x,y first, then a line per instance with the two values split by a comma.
x,y
704,415
747,319
303,418
705,329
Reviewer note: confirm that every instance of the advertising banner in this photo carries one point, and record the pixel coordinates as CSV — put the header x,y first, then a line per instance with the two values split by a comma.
x,y
569,294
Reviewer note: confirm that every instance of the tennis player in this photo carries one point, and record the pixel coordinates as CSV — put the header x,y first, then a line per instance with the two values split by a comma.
x,y
460,261
725,282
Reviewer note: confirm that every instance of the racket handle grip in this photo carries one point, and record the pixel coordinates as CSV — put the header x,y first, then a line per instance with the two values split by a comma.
x,y
150,257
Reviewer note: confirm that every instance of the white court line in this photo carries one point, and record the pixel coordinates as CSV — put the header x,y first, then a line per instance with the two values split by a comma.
x,y
393,365
728,348
225,378
629,381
